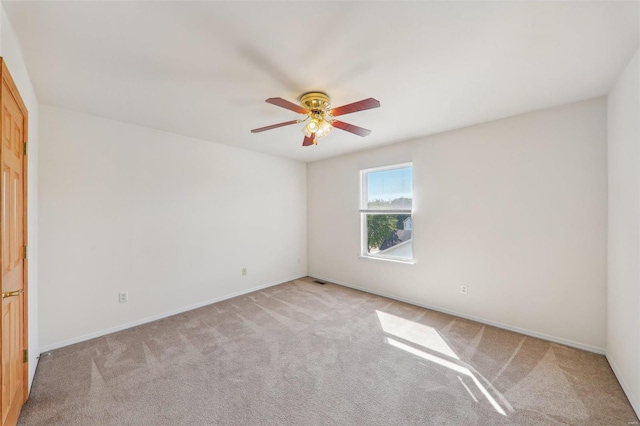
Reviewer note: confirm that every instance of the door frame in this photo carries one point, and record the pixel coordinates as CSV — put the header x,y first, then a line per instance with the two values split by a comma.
x,y
13,91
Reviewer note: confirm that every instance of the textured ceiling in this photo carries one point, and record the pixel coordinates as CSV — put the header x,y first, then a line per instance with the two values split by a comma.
x,y
204,69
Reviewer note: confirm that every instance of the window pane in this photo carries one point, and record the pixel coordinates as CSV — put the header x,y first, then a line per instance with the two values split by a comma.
x,y
389,189
390,235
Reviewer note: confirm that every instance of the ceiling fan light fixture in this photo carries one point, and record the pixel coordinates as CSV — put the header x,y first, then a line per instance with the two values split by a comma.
x,y
325,128
319,118
312,126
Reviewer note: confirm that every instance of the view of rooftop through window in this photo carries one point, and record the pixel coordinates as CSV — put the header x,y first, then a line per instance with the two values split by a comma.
x,y
387,197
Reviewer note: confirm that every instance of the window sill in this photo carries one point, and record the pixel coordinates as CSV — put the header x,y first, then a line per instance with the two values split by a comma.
x,y
386,259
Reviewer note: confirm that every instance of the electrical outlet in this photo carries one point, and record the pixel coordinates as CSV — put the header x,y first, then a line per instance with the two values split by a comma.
x,y
123,297
244,271
464,289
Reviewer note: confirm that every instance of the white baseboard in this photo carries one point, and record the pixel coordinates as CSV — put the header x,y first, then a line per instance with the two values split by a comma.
x,y
633,399
543,336
104,332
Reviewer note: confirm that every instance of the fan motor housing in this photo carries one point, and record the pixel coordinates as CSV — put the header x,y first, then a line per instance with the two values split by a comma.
x,y
315,101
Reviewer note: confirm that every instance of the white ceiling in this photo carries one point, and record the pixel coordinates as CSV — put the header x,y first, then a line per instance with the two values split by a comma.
x,y
204,69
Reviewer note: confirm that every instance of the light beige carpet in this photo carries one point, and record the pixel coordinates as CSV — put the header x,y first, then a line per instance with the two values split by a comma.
x,y
301,353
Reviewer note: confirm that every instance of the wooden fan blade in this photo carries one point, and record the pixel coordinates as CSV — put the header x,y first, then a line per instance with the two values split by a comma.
x,y
356,106
283,103
308,140
274,126
360,131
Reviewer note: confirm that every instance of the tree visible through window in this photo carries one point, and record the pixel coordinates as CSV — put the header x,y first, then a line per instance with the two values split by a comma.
x,y
386,211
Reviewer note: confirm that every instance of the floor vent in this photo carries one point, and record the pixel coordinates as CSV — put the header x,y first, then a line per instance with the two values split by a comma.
x,y
319,282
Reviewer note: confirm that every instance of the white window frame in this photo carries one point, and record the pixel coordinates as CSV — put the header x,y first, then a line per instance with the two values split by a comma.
x,y
364,211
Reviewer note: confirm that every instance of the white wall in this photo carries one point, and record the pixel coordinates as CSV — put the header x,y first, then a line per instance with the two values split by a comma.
x,y
12,53
170,219
623,314
515,209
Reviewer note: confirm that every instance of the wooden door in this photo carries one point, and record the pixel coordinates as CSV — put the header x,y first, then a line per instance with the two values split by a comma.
x,y
14,369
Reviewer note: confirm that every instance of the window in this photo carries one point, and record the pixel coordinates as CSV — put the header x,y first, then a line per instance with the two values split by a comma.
x,y
386,212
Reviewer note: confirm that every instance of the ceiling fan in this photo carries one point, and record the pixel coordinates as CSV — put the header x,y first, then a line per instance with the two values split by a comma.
x,y
320,116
